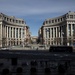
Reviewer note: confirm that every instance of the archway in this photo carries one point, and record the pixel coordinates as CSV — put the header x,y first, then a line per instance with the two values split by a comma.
x,y
47,71
5,71
19,70
33,71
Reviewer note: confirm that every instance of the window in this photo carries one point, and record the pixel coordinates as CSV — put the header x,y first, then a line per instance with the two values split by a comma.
x,y
58,20
7,19
11,32
71,16
55,20
4,18
52,31
69,29
46,22
49,21
73,29
20,33
16,21
17,33
61,19
13,20
19,21
74,16
10,20
22,22
52,21
8,31
55,31
14,33
49,32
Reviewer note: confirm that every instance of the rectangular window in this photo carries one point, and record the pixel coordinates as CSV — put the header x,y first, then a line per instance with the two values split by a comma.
x,y
69,27
55,31
4,18
14,33
52,21
17,33
55,20
61,19
49,22
46,32
46,22
11,32
16,21
22,22
58,20
7,19
71,16
73,29
20,33
8,31
49,32
52,31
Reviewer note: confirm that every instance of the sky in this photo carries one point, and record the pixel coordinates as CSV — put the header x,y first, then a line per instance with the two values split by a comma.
x,y
35,12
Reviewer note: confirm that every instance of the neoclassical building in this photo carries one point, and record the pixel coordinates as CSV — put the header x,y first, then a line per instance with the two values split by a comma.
x,y
12,30
59,30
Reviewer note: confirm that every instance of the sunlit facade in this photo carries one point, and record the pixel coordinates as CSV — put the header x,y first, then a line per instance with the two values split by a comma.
x,y
59,30
12,31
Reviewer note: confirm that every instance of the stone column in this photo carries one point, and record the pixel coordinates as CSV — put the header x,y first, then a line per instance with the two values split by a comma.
x,y
15,33
10,35
18,33
44,35
47,36
53,35
15,37
25,32
7,35
18,36
56,35
67,31
71,34
71,30
1,35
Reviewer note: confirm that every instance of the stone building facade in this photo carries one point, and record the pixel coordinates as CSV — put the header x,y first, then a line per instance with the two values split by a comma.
x,y
36,63
12,30
59,30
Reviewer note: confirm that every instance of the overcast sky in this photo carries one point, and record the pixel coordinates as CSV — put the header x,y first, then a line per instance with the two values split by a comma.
x,y
34,12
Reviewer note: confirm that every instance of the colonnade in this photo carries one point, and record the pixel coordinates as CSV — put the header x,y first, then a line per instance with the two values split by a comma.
x,y
13,35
